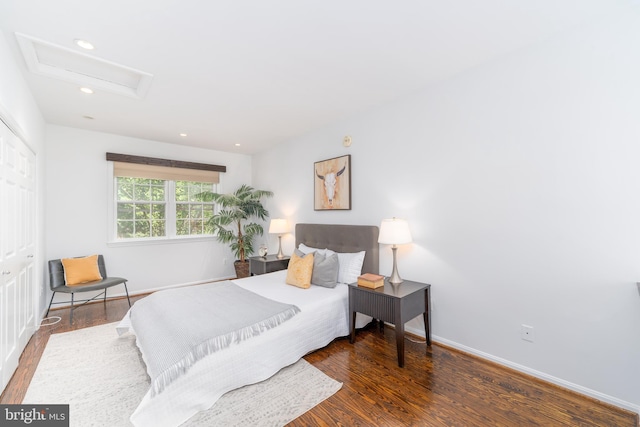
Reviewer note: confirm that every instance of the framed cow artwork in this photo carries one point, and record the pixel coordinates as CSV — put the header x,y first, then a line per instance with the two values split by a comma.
x,y
332,184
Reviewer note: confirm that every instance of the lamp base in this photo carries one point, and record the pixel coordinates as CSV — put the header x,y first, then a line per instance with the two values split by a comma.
x,y
280,254
395,278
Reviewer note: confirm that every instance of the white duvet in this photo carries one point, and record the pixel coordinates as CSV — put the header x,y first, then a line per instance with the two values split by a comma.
x,y
324,316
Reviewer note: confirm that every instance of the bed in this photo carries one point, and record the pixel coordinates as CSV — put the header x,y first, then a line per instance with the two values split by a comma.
x,y
320,316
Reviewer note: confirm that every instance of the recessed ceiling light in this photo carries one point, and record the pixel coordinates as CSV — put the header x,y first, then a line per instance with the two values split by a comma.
x,y
87,117
86,90
237,145
84,44
183,134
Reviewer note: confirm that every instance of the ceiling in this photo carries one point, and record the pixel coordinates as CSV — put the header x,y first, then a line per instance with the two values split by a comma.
x,y
258,73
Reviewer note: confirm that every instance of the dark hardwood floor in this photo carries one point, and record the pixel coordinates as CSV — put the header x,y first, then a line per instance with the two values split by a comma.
x,y
443,387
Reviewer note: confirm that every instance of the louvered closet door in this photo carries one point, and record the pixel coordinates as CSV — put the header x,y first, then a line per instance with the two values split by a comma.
x,y
17,249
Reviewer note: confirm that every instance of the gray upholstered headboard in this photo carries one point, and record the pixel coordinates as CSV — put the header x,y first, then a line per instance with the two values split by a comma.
x,y
343,238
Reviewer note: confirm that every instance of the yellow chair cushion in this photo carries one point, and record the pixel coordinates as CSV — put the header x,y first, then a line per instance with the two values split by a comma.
x,y
78,271
300,270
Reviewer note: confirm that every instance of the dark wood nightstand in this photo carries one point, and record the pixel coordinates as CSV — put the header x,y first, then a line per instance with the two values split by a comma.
x,y
396,304
268,264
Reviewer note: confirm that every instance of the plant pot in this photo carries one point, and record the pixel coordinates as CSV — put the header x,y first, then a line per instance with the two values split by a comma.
x,y
242,269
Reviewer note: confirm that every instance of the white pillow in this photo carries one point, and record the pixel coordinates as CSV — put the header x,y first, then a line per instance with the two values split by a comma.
x,y
308,249
350,266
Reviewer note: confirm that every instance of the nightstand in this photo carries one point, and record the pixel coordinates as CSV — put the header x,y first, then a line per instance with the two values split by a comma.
x,y
268,264
396,304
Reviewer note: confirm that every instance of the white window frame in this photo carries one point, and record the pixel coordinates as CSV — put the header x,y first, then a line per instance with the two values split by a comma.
x,y
170,218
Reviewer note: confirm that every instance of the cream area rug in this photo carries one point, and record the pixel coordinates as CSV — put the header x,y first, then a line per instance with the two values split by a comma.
x,y
102,377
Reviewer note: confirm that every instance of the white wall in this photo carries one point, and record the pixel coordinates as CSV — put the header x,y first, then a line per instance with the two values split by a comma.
x,y
77,210
520,180
18,106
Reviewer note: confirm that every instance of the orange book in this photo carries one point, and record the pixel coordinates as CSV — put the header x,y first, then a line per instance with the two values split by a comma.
x,y
370,280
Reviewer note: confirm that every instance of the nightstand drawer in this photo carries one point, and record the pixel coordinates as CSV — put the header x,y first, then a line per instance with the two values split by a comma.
x,y
374,305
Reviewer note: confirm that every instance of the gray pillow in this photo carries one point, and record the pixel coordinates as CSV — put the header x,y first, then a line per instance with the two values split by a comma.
x,y
325,269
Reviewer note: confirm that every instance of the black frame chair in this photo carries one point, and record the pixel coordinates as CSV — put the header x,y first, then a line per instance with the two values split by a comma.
x,y
58,284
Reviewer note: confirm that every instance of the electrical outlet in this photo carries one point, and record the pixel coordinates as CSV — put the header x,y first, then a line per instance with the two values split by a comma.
x,y
526,332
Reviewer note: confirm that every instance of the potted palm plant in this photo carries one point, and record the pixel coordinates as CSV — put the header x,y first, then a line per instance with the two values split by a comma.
x,y
232,224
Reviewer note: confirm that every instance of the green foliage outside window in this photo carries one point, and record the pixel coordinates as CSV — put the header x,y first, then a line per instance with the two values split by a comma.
x,y
192,213
142,208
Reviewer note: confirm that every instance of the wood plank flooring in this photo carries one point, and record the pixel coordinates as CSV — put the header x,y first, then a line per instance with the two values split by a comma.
x,y
443,387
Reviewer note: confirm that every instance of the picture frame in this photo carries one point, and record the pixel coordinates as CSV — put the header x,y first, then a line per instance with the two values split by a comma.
x,y
332,184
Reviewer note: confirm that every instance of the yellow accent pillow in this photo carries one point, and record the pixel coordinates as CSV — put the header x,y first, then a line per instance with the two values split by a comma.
x,y
78,271
299,271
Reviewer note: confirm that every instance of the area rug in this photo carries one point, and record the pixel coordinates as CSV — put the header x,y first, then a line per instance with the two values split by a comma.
x,y
102,377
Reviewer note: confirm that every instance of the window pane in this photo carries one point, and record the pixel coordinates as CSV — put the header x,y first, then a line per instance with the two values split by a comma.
x,y
195,211
125,211
158,211
142,211
142,193
182,211
158,228
196,227
125,191
182,191
194,189
143,229
157,193
182,227
126,180
125,229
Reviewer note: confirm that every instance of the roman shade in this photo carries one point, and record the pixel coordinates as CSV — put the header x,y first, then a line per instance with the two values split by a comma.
x,y
170,170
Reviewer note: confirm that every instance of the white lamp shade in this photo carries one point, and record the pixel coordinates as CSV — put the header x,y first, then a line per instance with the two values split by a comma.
x,y
278,226
394,231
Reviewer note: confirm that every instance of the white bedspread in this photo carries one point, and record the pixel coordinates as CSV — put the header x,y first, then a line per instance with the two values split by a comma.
x,y
323,317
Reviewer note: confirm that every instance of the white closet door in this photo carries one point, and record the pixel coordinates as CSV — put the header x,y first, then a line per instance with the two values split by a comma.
x,y
17,249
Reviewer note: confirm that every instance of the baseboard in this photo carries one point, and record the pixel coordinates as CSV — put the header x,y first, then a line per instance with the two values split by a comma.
x,y
537,374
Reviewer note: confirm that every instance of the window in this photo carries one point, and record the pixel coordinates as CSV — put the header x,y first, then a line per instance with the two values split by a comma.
x,y
155,202
147,208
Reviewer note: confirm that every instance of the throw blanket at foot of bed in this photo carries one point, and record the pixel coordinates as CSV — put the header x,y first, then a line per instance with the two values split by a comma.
x,y
177,327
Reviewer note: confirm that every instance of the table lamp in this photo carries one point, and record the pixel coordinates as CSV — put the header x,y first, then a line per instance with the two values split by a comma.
x,y
394,232
279,226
